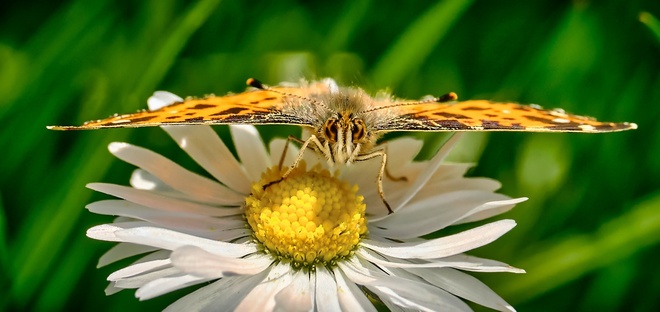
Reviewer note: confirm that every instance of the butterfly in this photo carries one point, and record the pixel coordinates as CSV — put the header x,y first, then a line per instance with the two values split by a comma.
x,y
346,122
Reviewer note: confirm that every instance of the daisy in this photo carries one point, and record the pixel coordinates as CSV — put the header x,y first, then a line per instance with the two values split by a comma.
x,y
318,240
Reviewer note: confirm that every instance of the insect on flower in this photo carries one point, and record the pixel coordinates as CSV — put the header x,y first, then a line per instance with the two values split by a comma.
x,y
346,122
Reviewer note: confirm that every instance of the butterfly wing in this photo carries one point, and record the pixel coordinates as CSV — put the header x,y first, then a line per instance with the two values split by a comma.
x,y
251,107
482,115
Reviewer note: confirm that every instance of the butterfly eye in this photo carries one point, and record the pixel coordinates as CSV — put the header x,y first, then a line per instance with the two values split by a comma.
x,y
330,129
358,128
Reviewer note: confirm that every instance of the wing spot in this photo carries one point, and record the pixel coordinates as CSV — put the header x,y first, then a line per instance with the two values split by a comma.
x,y
451,124
491,124
450,115
539,119
561,120
606,127
475,108
230,111
146,118
202,106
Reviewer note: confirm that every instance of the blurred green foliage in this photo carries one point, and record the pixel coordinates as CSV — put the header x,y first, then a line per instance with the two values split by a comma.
x,y
588,237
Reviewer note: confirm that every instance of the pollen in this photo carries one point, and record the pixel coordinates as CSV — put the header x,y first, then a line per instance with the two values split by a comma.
x,y
309,218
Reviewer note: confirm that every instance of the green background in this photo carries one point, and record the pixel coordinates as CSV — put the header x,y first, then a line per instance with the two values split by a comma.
x,y
588,236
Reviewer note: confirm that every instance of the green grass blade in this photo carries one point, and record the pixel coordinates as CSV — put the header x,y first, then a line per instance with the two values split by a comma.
x,y
651,22
46,239
568,259
415,44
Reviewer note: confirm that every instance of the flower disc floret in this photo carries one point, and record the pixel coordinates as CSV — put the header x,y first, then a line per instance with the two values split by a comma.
x,y
308,218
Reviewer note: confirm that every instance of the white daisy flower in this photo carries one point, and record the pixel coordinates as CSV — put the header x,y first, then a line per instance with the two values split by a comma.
x,y
314,241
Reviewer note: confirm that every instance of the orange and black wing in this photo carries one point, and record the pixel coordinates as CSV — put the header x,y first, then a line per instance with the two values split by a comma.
x,y
482,115
251,107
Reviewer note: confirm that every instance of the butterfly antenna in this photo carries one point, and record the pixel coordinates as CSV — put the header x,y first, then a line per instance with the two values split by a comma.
x,y
451,96
257,84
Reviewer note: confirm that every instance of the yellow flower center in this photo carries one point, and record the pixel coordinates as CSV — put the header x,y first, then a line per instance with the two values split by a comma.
x,y
308,218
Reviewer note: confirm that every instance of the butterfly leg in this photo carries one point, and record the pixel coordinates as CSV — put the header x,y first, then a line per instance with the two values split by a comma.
x,y
393,178
317,144
381,173
286,148
390,176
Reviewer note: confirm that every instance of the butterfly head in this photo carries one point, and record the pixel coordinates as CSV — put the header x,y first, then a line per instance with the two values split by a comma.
x,y
344,128
347,128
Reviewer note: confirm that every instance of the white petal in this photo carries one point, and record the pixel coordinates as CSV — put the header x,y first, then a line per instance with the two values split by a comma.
x,y
418,183
111,289
432,166
456,184
161,99
388,263
327,298
447,178
144,180
167,239
351,298
251,150
476,264
298,295
175,220
422,217
156,201
105,232
413,299
401,152
368,255
262,296
155,261
403,292
364,174
465,286
451,171
444,246
165,285
462,262
459,183
177,177
492,210
145,278
205,147
196,261
140,268
224,294
122,251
